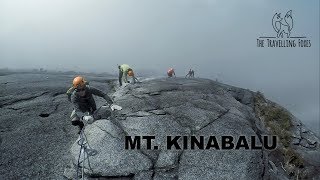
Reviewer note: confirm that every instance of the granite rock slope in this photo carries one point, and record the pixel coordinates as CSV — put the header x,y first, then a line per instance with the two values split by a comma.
x,y
196,107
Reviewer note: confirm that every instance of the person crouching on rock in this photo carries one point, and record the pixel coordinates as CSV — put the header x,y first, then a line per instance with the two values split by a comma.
x,y
171,72
82,100
124,71
71,89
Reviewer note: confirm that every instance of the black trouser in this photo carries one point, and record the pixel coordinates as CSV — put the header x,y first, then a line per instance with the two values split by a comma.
x,y
120,77
76,121
100,113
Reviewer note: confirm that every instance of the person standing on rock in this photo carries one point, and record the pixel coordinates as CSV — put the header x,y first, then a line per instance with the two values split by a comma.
x,y
82,100
171,72
124,71
190,74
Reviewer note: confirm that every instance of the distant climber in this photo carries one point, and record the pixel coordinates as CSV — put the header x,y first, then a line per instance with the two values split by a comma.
x,y
124,71
171,72
83,101
190,74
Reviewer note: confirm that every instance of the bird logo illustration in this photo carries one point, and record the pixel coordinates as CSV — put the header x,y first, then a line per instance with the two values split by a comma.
x,y
282,25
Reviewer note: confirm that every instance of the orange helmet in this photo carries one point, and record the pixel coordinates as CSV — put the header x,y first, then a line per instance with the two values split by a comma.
x,y
130,73
78,82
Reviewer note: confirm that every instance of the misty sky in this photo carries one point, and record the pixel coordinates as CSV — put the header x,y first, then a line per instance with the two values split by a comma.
x,y
215,38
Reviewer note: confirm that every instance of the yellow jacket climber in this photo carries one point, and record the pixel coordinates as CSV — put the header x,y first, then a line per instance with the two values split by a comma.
x,y
124,71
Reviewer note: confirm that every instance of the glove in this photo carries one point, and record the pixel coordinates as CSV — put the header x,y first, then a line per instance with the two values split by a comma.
x,y
115,107
88,119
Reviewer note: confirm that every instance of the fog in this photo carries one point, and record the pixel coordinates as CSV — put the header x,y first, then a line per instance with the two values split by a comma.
x,y
218,39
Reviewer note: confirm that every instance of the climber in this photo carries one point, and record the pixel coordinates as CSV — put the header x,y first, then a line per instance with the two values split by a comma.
x,y
190,74
131,74
71,89
125,71
83,101
171,72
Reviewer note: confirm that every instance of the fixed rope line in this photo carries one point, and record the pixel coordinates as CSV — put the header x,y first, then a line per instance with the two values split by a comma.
x,y
82,141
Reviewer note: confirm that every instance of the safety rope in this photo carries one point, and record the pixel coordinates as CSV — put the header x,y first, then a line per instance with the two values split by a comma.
x,y
81,142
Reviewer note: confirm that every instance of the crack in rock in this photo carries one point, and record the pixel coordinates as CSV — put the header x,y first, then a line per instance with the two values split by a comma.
x,y
263,158
138,97
154,93
100,177
45,114
15,109
219,116
158,112
116,123
139,114
7,82
23,99
57,94
274,168
107,132
176,119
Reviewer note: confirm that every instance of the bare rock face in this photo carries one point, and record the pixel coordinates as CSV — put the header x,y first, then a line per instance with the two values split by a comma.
x,y
191,107
35,130
37,140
